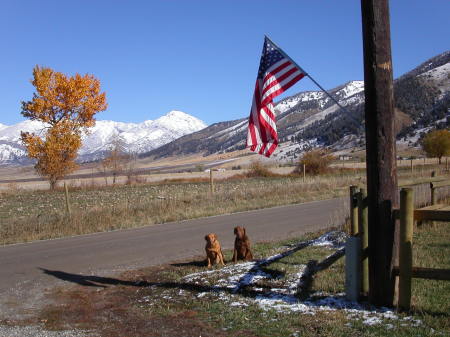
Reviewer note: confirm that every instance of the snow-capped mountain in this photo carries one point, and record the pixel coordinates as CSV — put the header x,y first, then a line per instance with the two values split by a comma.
x,y
294,113
310,119
341,93
135,137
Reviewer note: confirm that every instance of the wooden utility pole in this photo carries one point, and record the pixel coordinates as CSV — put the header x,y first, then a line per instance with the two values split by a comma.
x,y
380,149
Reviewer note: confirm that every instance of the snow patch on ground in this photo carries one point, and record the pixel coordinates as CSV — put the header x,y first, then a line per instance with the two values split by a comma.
x,y
237,285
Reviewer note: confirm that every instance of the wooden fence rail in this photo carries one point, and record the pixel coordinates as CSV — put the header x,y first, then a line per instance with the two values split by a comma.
x,y
407,214
406,271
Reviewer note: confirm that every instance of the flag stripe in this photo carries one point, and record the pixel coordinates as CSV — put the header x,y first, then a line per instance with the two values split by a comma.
x,y
276,68
279,89
279,83
279,78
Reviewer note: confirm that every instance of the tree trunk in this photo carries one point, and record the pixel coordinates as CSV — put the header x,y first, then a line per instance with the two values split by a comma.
x,y
53,181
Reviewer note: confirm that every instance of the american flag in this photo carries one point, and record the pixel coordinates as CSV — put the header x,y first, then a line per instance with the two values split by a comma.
x,y
277,73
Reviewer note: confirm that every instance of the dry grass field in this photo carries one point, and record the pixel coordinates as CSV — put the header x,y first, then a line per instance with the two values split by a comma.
x,y
31,214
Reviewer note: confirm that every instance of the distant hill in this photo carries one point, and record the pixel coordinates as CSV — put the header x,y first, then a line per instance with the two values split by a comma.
x,y
308,119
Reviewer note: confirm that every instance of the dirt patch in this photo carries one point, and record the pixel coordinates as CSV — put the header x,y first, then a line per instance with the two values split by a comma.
x,y
109,305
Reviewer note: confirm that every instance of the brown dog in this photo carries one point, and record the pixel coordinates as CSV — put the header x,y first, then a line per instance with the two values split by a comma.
x,y
241,245
213,250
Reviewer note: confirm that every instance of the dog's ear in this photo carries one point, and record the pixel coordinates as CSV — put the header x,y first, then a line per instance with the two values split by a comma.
x,y
206,237
235,230
243,228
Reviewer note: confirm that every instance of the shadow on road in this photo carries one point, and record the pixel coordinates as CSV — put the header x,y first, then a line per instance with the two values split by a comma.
x,y
200,263
243,286
89,280
103,282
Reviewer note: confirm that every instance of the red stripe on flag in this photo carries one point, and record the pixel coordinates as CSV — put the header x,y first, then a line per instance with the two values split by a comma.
x,y
276,70
269,112
293,81
279,79
282,89
252,125
271,149
261,150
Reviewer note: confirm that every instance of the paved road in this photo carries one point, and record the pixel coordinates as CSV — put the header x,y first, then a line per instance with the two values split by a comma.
x,y
21,266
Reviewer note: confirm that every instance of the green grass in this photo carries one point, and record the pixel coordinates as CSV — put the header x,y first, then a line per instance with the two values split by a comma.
x,y
431,299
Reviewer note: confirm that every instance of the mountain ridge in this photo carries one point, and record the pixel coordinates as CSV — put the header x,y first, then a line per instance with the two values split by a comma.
x,y
311,118
136,137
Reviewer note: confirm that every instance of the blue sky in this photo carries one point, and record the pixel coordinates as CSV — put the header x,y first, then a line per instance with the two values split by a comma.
x,y
198,56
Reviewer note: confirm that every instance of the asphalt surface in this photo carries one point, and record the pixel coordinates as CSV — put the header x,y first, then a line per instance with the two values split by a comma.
x,y
27,270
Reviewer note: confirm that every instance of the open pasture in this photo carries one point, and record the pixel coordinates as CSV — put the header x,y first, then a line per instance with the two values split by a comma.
x,y
27,215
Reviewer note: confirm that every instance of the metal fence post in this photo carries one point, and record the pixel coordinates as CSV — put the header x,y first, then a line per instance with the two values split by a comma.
x,y
353,268
363,221
405,253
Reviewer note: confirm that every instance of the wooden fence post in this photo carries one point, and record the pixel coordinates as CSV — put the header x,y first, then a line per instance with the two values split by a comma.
x,y
66,192
405,253
304,172
433,194
363,221
433,200
211,182
353,210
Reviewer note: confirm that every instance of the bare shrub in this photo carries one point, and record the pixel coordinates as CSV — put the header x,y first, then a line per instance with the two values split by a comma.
x,y
316,162
258,169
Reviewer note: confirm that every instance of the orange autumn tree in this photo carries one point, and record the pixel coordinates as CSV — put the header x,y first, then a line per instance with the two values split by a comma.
x,y
67,106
